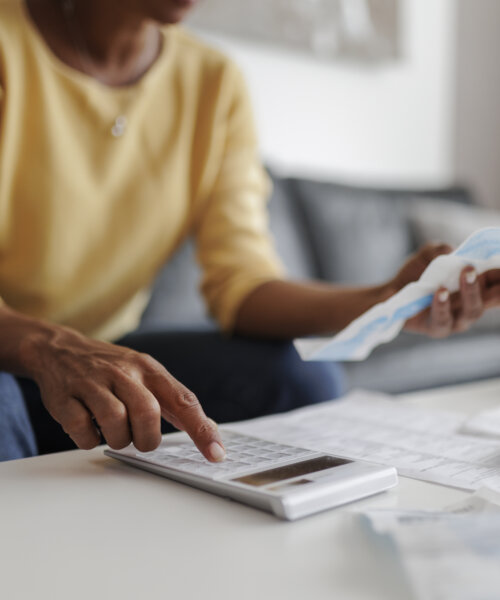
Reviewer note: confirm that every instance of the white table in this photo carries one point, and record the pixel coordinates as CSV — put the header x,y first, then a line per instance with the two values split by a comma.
x,y
79,525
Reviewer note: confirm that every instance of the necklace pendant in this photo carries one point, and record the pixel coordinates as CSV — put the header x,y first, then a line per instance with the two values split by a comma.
x,y
119,126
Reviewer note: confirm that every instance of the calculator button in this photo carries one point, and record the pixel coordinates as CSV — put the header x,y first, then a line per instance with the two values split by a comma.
x,y
244,453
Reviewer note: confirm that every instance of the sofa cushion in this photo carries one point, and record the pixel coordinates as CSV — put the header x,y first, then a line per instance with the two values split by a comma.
x,y
176,302
413,362
291,235
359,236
434,219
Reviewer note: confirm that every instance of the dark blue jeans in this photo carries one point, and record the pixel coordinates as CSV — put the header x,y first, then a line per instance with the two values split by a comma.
x,y
234,378
17,439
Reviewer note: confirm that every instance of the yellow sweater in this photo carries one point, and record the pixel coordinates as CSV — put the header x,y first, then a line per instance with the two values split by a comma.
x,y
87,219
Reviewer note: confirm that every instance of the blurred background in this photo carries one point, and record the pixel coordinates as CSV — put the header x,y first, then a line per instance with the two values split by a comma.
x,y
402,93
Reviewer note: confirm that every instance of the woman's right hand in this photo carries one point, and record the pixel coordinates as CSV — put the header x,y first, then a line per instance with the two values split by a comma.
x,y
88,385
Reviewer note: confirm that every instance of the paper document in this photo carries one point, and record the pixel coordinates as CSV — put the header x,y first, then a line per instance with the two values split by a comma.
x,y
446,555
485,500
486,423
421,443
383,322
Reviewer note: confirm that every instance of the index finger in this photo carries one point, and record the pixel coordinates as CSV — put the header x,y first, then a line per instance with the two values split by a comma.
x,y
440,318
181,406
491,287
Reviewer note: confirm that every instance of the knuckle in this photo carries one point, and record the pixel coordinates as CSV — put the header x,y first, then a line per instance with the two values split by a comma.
x,y
187,401
76,426
123,372
204,428
126,367
113,414
148,412
127,355
148,361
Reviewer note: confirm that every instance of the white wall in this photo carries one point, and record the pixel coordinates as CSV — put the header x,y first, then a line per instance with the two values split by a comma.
x,y
477,134
432,119
389,125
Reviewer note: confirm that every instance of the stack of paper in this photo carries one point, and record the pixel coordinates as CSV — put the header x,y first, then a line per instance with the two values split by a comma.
x,y
420,443
450,555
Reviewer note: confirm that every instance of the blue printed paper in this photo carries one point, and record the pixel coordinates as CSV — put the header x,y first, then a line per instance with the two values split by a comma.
x,y
383,322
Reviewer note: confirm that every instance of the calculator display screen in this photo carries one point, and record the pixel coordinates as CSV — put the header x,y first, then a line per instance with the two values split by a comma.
x,y
297,469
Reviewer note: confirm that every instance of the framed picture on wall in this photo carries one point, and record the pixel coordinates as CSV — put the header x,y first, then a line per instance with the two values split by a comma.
x,y
358,30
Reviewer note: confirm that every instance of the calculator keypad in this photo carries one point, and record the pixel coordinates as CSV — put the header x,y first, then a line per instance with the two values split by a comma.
x,y
244,454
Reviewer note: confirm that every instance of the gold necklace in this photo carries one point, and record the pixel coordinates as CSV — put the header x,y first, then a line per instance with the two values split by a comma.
x,y
120,123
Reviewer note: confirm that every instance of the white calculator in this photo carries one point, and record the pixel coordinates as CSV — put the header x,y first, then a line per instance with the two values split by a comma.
x,y
285,480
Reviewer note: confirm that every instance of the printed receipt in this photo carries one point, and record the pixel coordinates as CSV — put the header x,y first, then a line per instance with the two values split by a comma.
x,y
420,443
453,554
383,322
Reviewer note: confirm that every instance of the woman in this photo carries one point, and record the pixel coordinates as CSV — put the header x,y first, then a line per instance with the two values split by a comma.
x,y
121,135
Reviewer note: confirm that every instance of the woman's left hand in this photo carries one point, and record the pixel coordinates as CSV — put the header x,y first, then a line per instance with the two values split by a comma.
x,y
450,313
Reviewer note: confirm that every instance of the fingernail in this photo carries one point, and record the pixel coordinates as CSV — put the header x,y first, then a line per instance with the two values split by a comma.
x,y
471,277
444,296
216,452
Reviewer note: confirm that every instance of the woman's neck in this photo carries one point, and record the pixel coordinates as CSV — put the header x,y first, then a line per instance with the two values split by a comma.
x,y
109,41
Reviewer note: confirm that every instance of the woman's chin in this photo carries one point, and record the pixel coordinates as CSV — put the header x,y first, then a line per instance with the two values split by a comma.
x,y
175,11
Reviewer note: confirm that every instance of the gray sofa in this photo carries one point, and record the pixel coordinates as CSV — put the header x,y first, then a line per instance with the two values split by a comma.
x,y
359,236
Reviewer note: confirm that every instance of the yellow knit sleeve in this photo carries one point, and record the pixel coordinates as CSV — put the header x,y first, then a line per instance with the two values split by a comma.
x,y
2,303
235,248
